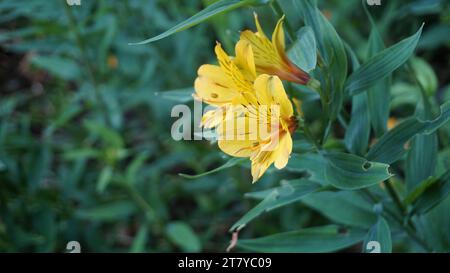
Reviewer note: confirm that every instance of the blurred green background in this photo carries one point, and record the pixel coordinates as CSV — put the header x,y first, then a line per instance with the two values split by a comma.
x,y
85,146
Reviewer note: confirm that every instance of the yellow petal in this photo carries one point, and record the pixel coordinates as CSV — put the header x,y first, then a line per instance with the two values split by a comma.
x,y
212,118
209,92
269,90
260,163
232,71
245,59
237,148
278,38
283,152
264,52
236,126
258,27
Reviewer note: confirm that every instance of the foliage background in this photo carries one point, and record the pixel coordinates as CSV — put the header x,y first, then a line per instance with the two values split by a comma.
x,y
85,146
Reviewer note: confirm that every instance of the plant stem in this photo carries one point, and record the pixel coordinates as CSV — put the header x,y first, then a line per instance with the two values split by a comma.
x,y
141,202
395,196
279,12
311,137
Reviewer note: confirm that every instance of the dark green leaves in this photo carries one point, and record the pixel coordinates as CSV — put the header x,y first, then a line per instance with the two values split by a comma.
x,y
304,51
63,68
422,156
390,146
382,64
429,193
108,212
378,240
333,53
183,236
344,207
358,131
343,171
350,172
214,9
316,239
289,192
378,95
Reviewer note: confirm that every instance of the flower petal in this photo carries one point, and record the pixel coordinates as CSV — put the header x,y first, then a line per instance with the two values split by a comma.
x,y
261,161
283,151
259,29
237,148
245,59
232,71
270,90
213,86
278,38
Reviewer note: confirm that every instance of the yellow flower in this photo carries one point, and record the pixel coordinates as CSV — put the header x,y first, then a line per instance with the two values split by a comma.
x,y
270,108
270,56
227,83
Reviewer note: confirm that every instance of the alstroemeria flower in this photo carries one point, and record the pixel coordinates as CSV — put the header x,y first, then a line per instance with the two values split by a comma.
x,y
228,83
225,83
263,148
270,56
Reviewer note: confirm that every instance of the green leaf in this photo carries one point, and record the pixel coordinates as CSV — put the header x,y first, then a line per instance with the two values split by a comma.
x,y
104,179
304,53
351,172
404,94
390,146
134,167
108,135
314,164
63,68
230,163
425,75
358,131
213,9
179,95
140,240
333,53
343,207
419,190
183,236
378,95
382,65
434,194
289,192
435,225
422,155
315,239
109,212
381,234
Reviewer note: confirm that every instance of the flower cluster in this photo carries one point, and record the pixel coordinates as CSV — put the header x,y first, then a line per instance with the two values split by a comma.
x,y
253,115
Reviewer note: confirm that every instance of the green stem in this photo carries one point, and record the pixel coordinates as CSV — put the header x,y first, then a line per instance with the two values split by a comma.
x,y
141,202
279,12
311,137
395,196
